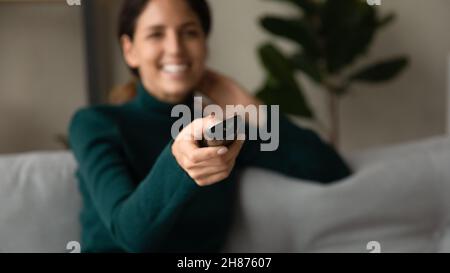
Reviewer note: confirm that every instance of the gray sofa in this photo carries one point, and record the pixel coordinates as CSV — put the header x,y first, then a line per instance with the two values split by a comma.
x,y
397,201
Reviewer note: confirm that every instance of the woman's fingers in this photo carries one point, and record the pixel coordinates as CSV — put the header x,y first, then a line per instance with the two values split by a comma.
x,y
199,155
194,131
212,179
215,156
214,162
206,165
203,172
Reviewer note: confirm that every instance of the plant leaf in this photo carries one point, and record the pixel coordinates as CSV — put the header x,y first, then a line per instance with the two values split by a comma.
x,y
388,19
348,29
281,87
382,71
293,29
303,63
290,101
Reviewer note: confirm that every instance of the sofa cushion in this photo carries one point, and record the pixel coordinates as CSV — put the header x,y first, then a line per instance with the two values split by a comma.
x,y
398,199
39,202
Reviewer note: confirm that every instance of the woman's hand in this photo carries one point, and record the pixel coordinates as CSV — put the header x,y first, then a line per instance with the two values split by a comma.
x,y
208,165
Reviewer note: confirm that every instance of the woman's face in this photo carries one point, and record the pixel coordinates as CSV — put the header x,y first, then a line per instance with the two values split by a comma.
x,y
169,49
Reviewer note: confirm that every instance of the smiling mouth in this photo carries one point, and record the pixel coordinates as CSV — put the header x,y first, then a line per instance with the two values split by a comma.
x,y
175,69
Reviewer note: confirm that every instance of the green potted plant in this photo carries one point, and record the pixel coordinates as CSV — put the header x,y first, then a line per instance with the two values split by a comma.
x,y
329,36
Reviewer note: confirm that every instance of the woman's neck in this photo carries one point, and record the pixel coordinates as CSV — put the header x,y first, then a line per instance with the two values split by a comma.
x,y
164,97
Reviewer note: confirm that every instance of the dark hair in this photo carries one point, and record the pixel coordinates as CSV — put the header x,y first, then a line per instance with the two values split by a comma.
x,y
132,9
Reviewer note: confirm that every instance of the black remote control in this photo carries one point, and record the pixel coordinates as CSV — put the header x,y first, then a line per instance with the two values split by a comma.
x,y
223,133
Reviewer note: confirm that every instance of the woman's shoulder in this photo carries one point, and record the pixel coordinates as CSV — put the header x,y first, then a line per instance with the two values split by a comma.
x,y
91,126
96,120
96,114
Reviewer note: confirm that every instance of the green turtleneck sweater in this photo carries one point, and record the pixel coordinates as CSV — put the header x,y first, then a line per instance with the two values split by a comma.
x,y
136,198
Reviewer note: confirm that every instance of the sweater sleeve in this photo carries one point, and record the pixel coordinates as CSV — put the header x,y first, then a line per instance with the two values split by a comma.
x,y
301,153
137,215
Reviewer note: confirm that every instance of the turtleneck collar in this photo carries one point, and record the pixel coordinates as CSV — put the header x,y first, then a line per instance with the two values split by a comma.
x,y
150,104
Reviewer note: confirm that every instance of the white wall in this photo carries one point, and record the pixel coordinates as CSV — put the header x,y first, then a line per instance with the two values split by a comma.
x,y
414,105
41,73
448,95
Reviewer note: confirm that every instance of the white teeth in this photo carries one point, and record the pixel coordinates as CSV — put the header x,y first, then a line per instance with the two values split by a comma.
x,y
174,68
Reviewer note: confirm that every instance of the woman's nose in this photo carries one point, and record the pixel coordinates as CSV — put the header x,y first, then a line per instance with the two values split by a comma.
x,y
174,44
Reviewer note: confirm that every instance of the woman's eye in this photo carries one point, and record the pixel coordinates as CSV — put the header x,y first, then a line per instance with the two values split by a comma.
x,y
155,35
191,33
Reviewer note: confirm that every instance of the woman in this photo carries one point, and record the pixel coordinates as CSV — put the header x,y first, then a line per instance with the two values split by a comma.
x,y
143,191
